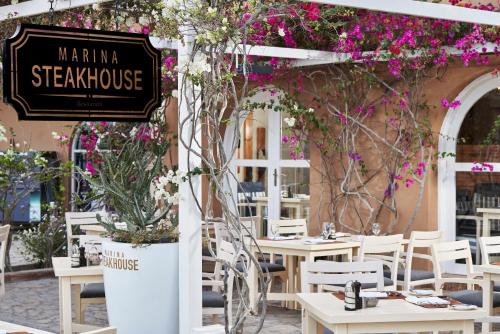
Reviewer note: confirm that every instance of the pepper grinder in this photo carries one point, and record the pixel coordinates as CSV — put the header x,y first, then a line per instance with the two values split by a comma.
x,y
83,260
356,286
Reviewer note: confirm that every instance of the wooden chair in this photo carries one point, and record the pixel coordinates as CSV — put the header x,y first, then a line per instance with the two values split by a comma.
x,y
4,237
296,227
75,219
213,299
453,251
333,276
275,267
489,246
409,278
92,293
386,249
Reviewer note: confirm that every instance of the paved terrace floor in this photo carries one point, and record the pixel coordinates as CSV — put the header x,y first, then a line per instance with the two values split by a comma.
x,y
35,304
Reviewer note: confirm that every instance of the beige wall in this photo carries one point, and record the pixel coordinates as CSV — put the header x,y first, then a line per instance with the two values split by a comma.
x,y
36,134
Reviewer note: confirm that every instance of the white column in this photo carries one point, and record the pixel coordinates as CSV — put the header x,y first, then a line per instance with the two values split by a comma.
x,y
190,296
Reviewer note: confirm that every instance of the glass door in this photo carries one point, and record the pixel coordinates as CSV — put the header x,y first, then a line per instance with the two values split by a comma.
x,y
271,185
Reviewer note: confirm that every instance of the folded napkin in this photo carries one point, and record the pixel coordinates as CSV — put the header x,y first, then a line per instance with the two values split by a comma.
x,y
316,241
279,237
427,300
373,294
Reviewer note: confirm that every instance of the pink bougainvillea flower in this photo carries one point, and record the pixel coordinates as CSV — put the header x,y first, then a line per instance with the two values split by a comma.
x,y
354,156
89,167
409,182
450,105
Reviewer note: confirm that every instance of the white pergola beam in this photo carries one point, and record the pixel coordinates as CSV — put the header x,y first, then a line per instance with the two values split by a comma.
x,y
36,7
422,9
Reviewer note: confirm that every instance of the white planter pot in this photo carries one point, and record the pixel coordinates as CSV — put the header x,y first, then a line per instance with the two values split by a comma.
x,y
142,287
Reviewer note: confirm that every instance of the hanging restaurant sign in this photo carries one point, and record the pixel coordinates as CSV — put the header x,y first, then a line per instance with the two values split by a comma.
x,y
55,73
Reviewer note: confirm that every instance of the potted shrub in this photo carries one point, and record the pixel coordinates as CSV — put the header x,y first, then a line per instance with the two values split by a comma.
x,y
140,257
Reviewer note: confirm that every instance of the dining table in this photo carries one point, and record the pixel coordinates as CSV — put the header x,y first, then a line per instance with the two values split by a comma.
x,y
70,281
292,250
14,328
389,316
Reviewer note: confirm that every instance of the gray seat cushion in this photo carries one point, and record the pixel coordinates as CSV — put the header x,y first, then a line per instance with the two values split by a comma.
x,y
93,290
271,267
212,299
387,282
474,297
496,287
416,275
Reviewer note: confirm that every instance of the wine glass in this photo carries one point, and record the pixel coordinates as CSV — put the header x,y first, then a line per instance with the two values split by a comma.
x,y
327,230
274,230
376,229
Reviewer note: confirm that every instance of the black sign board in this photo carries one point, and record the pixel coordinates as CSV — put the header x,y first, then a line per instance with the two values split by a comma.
x,y
56,73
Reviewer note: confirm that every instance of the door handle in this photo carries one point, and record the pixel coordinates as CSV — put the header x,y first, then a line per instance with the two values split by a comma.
x,y
275,174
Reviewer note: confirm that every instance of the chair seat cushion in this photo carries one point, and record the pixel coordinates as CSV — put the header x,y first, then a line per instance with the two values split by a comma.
x,y
474,297
496,287
271,267
212,299
416,275
387,282
93,290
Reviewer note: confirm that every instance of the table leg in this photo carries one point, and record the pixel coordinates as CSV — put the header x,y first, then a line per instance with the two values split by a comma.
x,y
310,325
65,305
487,301
253,286
290,266
469,327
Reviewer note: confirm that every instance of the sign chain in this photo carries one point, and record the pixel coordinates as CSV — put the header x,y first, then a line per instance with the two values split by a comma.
x,y
117,11
51,12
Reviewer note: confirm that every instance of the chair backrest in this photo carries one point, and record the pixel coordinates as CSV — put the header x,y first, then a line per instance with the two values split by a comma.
x,y
489,246
451,251
4,236
290,226
384,248
420,240
80,218
325,274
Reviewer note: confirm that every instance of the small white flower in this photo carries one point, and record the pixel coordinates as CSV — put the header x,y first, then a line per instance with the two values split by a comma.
x,y
175,93
281,32
343,35
143,21
96,6
311,110
296,107
290,121
18,145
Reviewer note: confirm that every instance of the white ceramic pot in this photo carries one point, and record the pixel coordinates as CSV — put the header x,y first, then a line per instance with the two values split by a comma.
x,y
142,287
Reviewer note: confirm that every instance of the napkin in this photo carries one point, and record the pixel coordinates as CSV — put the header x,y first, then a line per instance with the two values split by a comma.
x,y
427,300
373,294
279,237
316,241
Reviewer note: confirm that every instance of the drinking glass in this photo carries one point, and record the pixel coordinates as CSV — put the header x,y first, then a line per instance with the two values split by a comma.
x,y
376,229
274,230
327,230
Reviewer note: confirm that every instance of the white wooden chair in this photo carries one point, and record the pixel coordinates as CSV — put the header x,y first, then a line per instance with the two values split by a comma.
x,y
296,227
383,248
489,246
92,293
409,278
333,276
4,237
275,268
75,219
213,300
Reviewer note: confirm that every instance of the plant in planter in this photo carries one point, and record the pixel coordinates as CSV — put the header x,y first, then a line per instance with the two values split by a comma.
x,y
141,258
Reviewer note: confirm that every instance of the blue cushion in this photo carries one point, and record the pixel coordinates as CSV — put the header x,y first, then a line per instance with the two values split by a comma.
x,y
474,297
93,290
212,299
